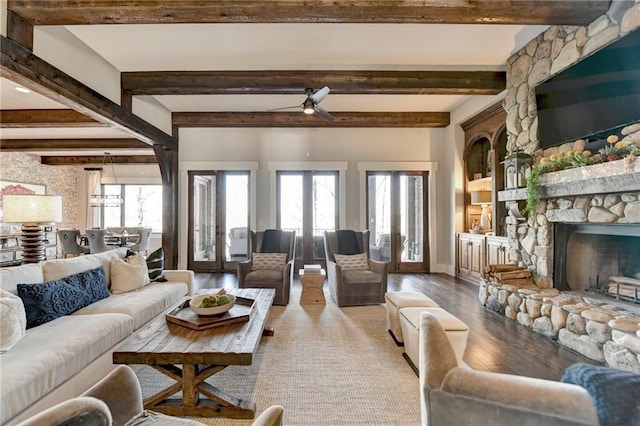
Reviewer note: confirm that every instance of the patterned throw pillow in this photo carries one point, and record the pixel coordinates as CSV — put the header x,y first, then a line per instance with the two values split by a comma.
x,y
352,261
274,261
155,264
47,301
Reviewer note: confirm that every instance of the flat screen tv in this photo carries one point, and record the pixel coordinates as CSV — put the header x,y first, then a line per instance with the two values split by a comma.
x,y
594,98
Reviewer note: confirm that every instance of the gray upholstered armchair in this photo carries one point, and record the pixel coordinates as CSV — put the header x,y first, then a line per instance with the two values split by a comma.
x,y
270,241
457,395
365,285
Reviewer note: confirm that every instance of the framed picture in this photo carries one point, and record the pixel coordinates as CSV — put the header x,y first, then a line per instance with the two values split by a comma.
x,y
17,188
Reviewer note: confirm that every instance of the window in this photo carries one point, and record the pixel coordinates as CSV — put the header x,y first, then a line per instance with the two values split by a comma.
x,y
141,206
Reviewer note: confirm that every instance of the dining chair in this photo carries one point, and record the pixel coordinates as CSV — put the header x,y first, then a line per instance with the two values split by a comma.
x,y
96,240
69,240
142,245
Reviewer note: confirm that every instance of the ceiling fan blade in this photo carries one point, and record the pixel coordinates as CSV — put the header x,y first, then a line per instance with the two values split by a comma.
x,y
324,113
319,95
282,108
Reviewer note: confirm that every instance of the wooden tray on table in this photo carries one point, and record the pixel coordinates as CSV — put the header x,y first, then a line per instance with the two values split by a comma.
x,y
184,316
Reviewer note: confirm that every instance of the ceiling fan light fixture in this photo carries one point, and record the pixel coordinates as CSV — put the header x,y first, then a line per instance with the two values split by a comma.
x,y
308,107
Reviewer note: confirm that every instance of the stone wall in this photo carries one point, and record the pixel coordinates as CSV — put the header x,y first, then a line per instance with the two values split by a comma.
x,y
58,180
551,52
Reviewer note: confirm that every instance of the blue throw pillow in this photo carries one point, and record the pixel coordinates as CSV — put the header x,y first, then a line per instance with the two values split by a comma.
x,y
615,393
52,299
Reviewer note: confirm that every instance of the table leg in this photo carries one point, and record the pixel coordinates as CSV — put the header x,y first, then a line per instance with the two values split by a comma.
x,y
191,381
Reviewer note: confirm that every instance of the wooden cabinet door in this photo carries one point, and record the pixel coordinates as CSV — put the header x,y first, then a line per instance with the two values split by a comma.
x,y
464,255
477,253
497,250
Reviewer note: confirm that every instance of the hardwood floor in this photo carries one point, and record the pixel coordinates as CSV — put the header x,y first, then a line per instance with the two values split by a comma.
x,y
495,342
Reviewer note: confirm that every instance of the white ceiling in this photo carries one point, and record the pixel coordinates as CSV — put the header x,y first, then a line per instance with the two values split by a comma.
x,y
226,47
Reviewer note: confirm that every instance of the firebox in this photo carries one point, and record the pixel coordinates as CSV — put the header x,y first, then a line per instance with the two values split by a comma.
x,y
587,256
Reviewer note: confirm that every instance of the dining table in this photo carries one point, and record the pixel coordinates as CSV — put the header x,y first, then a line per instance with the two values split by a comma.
x,y
121,238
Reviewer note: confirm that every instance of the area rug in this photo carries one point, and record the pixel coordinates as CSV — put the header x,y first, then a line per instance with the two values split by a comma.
x,y
326,365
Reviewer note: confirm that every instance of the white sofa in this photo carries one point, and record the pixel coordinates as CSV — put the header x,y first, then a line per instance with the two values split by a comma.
x,y
63,358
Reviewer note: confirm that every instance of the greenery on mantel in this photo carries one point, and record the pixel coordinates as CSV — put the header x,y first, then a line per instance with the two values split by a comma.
x,y
613,151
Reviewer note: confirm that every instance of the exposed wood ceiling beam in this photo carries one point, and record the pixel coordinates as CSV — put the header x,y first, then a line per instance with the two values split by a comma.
x,y
295,82
298,119
20,65
97,159
17,145
521,12
38,118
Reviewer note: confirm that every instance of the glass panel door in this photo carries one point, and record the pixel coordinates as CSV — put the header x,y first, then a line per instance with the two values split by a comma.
x,y
396,207
236,191
202,248
218,220
307,204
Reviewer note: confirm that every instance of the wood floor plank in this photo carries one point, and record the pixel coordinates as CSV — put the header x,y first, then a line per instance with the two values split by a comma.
x,y
495,342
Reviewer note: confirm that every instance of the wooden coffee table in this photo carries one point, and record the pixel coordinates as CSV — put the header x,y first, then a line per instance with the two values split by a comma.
x,y
164,346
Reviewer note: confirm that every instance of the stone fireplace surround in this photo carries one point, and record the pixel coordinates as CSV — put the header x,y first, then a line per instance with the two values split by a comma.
x,y
597,327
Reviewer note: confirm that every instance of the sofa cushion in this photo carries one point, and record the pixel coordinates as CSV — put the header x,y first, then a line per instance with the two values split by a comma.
x,y
60,268
360,276
143,304
350,262
47,301
268,261
71,343
128,274
263,276
25,274
13,320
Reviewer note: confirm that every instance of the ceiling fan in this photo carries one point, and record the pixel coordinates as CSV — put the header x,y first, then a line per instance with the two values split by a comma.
x,y
310,105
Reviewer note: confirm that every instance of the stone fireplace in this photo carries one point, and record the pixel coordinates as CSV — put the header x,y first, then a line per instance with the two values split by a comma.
x,y
586,228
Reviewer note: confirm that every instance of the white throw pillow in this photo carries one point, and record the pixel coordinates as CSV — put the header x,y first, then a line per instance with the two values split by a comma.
x,y
128,275
273,261
352,261
13,320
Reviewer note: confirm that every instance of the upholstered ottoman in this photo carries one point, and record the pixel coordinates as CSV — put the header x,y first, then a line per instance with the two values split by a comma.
x,y
456,330
403,299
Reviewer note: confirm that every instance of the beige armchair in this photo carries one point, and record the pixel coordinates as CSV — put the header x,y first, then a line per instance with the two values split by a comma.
x,y
354,286
278,279
455,395
116,400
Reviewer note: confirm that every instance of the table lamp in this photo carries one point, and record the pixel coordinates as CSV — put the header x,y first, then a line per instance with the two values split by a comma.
x,y
33,211
483,199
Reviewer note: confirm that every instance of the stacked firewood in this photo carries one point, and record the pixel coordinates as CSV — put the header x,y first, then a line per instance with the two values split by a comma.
x,y
508,274
624,286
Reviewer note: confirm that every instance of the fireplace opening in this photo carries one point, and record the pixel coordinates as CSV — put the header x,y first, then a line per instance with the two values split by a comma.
x,y
604,258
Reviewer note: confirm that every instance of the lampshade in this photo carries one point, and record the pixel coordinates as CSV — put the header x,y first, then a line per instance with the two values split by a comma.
x,y
480,197
32,208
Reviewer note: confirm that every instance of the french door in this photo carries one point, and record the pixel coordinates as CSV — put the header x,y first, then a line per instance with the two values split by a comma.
x,y
218,229
397,219
308,204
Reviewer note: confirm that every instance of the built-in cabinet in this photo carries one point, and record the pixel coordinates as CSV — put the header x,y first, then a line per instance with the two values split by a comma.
x,y
470,253
485,149
475,251
497,249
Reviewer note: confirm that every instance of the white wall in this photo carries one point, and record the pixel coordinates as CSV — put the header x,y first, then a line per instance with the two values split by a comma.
x,y
312,146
